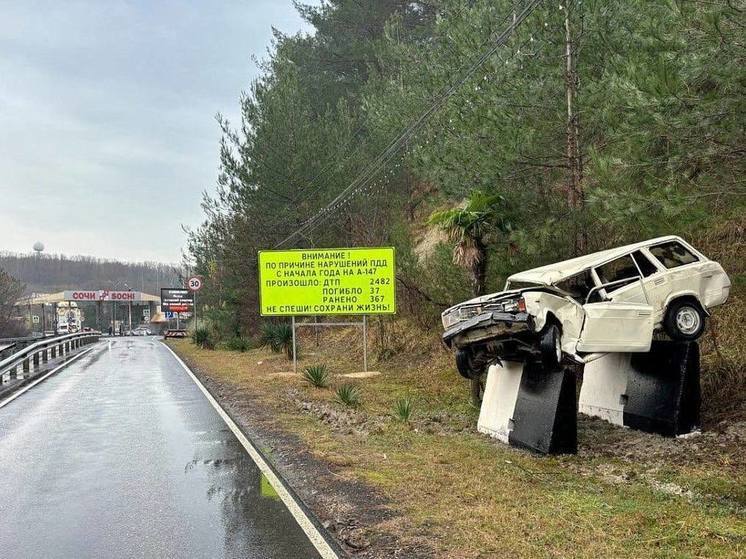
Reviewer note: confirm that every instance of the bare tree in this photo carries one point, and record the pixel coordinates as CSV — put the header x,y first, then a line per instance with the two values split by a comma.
x,y
10,291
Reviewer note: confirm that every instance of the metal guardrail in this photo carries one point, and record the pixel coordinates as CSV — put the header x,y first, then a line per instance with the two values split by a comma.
x,y
41,351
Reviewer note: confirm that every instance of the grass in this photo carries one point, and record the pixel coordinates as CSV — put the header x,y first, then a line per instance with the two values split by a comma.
x,y
469,496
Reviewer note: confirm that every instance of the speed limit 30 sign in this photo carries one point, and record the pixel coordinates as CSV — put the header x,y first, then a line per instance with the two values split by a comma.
x,y
194,283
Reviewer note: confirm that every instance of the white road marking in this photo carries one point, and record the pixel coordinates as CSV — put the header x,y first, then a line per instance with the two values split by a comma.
x,y
295,509
15,395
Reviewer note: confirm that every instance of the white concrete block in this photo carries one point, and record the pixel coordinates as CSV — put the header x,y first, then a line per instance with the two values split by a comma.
x,y
604,389
498,404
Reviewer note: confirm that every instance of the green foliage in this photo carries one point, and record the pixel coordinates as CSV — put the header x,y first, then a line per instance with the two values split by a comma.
x,y
278,336
403,409
316,375
238,343
348,395
468,227
203,339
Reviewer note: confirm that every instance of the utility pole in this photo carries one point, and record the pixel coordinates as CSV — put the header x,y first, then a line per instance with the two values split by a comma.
x,y
574,188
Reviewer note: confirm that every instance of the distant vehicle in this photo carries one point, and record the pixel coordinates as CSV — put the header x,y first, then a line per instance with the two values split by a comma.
x,y
141,331
69,314
609,301
63,328
174,333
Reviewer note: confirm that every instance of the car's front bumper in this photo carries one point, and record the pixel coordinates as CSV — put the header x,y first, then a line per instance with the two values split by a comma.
x,y
486,326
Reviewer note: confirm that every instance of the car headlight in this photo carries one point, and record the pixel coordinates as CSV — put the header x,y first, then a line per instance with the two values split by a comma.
x,y
449,318
514,306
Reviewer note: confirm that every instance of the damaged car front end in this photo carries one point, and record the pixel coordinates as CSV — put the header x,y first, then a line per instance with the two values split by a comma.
x,y
490,329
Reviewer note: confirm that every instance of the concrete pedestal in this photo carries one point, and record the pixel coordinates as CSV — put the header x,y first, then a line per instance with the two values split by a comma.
x,y
528,407
657,392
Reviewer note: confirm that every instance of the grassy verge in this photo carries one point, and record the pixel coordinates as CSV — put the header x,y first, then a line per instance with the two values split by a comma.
x,y
625,494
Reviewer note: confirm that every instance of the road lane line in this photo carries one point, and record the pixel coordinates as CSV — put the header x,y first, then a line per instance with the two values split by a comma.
x,y
49,374
306,524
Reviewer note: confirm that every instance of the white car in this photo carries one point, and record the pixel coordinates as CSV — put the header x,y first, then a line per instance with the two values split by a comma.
x,y
609,301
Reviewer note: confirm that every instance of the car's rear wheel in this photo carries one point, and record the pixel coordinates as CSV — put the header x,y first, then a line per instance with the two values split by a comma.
x,y
550,346
684,320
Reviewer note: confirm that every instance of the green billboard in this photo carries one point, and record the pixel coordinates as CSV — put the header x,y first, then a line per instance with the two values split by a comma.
x,y
340,281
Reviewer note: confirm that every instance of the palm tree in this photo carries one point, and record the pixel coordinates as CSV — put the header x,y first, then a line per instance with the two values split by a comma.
x,y
468,227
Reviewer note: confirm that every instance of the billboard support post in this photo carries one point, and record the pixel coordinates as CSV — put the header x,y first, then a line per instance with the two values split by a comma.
x,y
295,356
365,343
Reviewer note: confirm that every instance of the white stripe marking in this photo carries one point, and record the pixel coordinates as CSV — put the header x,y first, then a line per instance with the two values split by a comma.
x,y
300,516
37,381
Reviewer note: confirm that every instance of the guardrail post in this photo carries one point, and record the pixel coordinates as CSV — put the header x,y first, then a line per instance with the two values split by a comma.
x,y
26,365
36,360
13,373
45,355
54,351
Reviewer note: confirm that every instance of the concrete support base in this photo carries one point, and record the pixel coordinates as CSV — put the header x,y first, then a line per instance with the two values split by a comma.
x,y
529,407
657,392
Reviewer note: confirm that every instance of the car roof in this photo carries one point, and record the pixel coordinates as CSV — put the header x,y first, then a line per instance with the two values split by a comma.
x,y
552,273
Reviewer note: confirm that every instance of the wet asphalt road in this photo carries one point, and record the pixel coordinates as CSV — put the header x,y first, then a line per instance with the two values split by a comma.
x,y
121,455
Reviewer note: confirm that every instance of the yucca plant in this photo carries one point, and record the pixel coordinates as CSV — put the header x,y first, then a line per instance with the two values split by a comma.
x,y
278,337
348,395
403,409
202,339
316,375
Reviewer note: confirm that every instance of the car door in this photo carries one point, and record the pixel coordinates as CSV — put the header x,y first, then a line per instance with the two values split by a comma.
x,y
616,326
623,319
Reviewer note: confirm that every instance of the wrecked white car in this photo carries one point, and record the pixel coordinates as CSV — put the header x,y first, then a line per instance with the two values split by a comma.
x,y
609,301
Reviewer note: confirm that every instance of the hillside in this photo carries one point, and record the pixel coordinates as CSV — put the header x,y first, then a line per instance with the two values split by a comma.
x,y
50,273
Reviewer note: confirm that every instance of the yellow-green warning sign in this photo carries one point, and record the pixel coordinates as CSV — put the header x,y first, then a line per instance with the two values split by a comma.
x,y
327,281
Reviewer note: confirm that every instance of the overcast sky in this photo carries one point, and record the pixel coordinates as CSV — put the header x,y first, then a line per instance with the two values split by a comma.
x,y
107,128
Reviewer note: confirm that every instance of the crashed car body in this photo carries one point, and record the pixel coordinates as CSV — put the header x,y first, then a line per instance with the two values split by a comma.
x,y
608,301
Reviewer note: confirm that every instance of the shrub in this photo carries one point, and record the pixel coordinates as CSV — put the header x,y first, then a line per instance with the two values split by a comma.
x,y
279,338
403,409
237,343
349,395
202,338
317,375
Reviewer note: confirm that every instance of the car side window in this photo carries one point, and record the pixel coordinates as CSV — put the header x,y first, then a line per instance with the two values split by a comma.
x,y
673,254
620,269
643,262
578,286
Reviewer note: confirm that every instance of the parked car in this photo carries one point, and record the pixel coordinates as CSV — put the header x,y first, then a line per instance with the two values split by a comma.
x,y
608,301
141,331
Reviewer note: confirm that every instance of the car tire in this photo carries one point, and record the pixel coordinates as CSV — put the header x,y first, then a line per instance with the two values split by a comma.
x,y
550,346
464,364
684,320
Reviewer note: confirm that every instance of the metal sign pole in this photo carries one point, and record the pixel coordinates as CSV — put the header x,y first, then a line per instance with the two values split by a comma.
x,y
365,343
295,358
196,323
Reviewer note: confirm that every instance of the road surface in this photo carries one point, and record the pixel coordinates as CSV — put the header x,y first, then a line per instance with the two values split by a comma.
x,y
121,455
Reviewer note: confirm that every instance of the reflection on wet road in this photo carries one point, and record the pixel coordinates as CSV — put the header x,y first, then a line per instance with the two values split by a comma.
x,y
121,455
